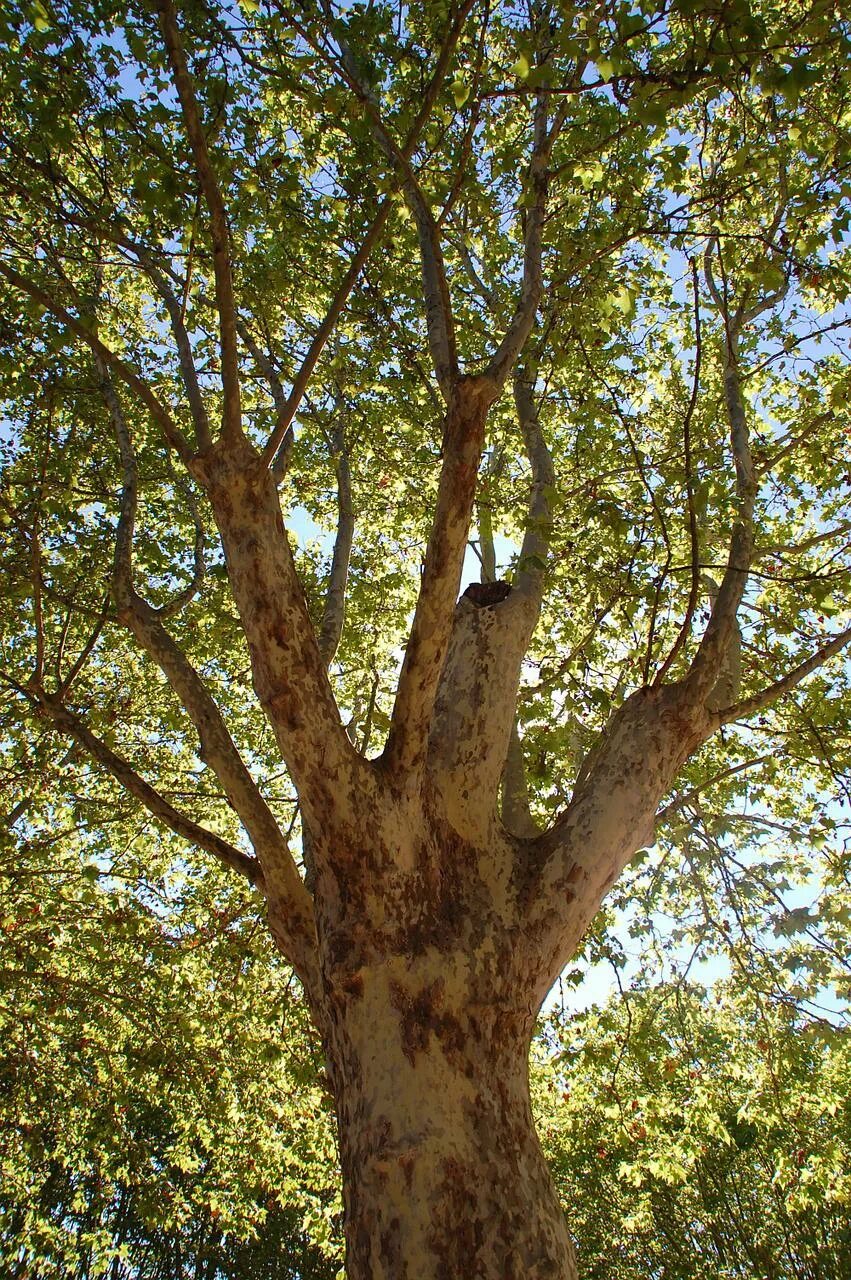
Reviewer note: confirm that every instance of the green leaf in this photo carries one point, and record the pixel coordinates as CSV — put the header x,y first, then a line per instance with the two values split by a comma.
x,y
460,92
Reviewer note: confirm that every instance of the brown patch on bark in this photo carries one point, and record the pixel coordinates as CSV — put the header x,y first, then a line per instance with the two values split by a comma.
x,y
456,1239
352,984
407,1163
420,1017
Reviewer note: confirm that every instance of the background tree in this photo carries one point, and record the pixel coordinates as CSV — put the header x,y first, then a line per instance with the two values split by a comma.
x,y
623,217
704,1138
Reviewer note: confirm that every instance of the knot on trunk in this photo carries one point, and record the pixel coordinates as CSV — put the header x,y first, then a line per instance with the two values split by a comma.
x,y
483,594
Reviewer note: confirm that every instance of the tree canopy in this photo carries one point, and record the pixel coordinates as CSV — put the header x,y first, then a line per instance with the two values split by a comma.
x,y
564,287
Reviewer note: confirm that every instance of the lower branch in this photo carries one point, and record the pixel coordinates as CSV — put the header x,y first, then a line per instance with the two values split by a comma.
x,y
71,724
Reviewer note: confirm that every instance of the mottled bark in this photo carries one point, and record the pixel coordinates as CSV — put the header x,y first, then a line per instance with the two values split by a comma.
x,y
474,712
426,1017
289,675
444,1177
463,441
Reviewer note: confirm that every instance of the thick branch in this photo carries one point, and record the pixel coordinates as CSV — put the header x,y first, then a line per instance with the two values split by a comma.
x,y
426,650
289,674
569,869
486,659
281,879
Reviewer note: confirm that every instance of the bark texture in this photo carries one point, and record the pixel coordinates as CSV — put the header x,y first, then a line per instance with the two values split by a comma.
x,y
427,1021
443,1171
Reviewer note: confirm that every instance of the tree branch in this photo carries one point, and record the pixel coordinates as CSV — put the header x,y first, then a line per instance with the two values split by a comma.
x,y
357,263
463,442
333,615
282,882
759,701
136,384
694,535
523,321
65,683
219,232
569,869
289,674
529,578
722,625
516,810
266,365
188,372
72,725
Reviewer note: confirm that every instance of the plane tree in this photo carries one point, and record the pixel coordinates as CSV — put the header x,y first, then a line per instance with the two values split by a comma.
x,y
561,287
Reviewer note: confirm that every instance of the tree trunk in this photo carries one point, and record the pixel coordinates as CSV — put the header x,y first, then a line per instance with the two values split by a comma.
x,y
427,1040
443,1174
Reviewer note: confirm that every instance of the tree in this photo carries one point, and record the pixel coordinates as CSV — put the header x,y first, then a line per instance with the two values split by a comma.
x,y
152,1128
699,1138
622,215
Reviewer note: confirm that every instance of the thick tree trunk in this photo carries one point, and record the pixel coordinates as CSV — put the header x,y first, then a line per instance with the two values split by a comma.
x,y
443,1174
427,1020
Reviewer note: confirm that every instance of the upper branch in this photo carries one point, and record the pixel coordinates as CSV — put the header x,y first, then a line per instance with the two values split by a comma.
x,y
281,879
189,373
266,365
333,615
523,321
70,723
759,701
155,407
440,324
219,232
722,625
694,535
536,540
463,442
326,328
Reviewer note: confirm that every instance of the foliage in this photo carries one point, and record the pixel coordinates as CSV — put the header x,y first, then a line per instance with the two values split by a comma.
x,y
696,1137
160,1097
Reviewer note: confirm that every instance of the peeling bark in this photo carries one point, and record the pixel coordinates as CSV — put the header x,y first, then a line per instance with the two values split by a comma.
x,y
288,672
443,1171
463,441
427,1022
